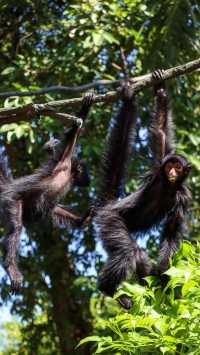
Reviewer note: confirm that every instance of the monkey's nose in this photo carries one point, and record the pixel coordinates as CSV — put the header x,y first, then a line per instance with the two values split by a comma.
x,y
172,173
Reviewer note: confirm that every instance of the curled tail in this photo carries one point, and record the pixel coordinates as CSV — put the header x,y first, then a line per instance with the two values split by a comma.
x,y
117,150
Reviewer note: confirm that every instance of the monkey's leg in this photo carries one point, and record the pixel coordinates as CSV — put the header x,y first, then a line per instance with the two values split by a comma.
x,y
143,264
124,255
121,252
14,215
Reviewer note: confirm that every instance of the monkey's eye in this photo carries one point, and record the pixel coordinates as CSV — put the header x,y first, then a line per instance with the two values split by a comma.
x,y
178,166
168,167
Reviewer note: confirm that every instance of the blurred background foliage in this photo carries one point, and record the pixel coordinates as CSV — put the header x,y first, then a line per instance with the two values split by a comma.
x,y
55,42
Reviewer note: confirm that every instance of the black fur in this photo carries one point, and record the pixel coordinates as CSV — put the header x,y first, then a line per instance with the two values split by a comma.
x,y
35,196
119,146
156,201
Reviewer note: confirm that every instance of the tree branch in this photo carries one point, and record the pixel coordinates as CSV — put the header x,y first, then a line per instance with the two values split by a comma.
x,y
29,111
60,88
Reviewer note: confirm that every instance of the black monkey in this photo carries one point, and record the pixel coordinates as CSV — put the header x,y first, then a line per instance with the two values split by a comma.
x,y
163,197
26,199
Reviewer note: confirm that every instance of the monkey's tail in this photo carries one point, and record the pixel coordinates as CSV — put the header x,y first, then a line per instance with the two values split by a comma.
x,y
115,156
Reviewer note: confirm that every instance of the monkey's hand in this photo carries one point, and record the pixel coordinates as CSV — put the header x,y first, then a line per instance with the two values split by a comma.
x,y
159,84
87,101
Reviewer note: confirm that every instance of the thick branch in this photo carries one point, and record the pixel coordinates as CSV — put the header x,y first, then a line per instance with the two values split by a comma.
x,y
27,112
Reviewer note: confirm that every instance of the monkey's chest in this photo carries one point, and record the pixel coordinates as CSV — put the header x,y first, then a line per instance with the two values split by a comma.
x,y
149,211
59,183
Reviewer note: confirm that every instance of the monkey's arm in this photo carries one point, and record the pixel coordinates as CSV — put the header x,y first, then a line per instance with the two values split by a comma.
x,y
161,129
170,240
173,229
118,147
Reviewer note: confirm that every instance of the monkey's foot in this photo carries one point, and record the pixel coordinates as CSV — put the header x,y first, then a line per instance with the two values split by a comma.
x,y
125,302
15,277
16,285
79,122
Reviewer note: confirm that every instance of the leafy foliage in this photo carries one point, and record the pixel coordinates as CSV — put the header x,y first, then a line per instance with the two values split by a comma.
x,y
161,321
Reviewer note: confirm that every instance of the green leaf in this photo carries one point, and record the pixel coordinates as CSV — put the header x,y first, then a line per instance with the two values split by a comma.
x,y
110,38
195,161
93,338
8,70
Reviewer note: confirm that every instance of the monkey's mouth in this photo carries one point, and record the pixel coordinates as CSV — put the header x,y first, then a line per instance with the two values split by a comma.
x,y
172,178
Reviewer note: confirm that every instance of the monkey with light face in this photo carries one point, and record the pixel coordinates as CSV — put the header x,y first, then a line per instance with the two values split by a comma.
x,y
163,198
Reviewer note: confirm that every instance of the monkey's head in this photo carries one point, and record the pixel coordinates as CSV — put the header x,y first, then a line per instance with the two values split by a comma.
x,y
175,168
51,146
80,173
56,147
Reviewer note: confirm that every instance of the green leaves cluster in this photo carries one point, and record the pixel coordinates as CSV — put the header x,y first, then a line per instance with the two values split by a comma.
x,y
161,321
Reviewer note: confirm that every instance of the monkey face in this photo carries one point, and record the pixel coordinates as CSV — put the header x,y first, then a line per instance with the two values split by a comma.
x,y
51,147
176,168
173,170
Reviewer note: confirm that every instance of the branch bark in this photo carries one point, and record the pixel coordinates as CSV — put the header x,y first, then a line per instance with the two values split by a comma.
x,y
30,111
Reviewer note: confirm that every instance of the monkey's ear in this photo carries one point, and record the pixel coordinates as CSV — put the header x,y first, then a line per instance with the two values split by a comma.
x,y
189,167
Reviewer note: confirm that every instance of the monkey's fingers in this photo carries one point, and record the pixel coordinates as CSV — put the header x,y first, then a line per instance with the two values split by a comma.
x,y
15,287
15,277
157,75
88,99
159,85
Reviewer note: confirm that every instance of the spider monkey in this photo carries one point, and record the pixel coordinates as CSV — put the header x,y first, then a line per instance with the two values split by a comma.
x,y
29,198
163,197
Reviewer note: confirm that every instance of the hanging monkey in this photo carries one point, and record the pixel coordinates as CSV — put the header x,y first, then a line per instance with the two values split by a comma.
x,y
163,197
29,198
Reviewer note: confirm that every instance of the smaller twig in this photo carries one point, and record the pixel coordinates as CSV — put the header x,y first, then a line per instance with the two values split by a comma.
x,y
63,116
61,88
